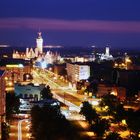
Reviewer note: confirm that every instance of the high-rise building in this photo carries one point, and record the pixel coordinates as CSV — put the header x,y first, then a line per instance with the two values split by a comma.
x,y
39,43
77,71
107,51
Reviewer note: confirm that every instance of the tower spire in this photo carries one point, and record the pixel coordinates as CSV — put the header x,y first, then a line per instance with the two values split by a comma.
x,y
39,43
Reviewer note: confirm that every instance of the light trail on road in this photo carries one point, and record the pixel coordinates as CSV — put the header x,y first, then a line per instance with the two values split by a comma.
x,y
61,90
77,108
63,93
20,129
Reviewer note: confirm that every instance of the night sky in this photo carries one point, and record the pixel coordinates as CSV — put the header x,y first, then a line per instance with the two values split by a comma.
x,y
71,22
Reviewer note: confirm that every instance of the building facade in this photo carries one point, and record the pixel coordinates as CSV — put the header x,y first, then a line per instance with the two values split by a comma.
x,y
118,91
29,91
106,55
2,97
15,71
77,71
42,58
39,43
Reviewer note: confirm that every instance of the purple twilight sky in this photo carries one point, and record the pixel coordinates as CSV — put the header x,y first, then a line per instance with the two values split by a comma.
x,y
71,23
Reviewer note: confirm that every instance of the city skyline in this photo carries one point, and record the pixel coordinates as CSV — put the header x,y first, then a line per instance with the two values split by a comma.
x,y
73,23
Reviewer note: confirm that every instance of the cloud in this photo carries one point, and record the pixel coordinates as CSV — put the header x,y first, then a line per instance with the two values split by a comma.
x,y
70,25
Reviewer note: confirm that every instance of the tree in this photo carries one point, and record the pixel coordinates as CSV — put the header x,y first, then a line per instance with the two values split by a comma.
x,y
131,91
134,137
36,116
92,87
12,105
49,124
89,113
113,136
100,126
110,101
119,113
5,131
46,93
133,122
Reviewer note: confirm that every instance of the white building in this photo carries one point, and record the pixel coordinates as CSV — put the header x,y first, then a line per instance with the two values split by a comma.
x,y
29,91
39,43
45,58
107,55
77,72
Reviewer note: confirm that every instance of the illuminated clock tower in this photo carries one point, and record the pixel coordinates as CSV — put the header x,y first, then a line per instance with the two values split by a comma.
x,y
39,43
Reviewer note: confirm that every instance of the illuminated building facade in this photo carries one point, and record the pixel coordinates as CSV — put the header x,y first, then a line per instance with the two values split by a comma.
x,y
29,91
107,55
16,70
77,72
39,43
126,63
41,57
2,97
118,91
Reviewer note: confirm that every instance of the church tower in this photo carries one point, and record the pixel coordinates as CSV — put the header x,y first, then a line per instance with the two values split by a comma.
x,y
39,43
107,51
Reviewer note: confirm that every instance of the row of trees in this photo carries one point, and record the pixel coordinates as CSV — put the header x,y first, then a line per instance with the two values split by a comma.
x,y
49,124
12,107
5,129
98,125
115,109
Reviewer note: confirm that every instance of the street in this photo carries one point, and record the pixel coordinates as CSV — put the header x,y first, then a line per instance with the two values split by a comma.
x,y
61,91
19,129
